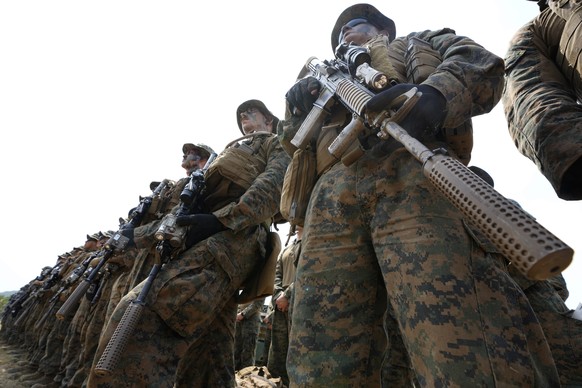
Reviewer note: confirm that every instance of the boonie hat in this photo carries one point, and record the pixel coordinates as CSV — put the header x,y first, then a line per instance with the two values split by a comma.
x,y
260,106
362,11
203,149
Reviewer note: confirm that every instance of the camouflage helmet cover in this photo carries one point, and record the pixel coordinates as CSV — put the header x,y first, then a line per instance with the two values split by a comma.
x,y
203,149
94,236
362,11
260,106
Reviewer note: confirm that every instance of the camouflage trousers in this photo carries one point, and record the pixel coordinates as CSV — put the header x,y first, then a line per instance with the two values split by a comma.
x,y
91,330
210,361
396,369
245,341
279,344
191,297
563,332
380,228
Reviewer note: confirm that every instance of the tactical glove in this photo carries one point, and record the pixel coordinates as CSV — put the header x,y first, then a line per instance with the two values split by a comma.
x,y
302,95
200,227
426,116
119,242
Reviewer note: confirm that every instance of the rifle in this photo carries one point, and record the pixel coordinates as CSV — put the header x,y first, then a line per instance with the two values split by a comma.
x,y
23,296
49,276
116,243
170,237
535,251
75,275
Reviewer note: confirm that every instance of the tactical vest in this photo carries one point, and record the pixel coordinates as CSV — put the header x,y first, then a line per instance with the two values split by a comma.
x,y
234,170
415,60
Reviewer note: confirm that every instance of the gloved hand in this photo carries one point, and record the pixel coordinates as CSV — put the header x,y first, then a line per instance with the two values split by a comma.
x,y
302,95
127,232
426,116
201,226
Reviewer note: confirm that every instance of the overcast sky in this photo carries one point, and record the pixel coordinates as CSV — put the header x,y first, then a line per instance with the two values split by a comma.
x,y
97,98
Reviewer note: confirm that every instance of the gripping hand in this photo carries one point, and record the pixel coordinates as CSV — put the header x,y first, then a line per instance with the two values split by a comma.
x,y
200,227
302,95
426,116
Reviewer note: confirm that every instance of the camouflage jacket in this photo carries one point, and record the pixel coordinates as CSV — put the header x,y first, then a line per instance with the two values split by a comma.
x,y
469,76
541,100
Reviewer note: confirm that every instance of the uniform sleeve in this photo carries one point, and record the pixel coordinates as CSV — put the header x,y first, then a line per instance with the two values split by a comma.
x,y
543,116
470,77
279,276
253,308
261,200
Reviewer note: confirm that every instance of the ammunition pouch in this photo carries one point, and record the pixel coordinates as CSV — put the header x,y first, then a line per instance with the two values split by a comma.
x,y
261,282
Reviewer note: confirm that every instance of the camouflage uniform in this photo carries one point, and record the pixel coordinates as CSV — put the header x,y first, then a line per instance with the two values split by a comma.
x,y
564,333
246,333
379,228
192,295
284,280
543,88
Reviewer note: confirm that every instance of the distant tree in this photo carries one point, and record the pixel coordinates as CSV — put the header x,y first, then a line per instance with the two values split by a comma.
x,y
3,302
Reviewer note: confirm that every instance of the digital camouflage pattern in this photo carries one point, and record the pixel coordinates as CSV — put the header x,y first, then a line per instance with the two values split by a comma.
x,y
541,97
281,320
378,229
564,333
247,332
193,293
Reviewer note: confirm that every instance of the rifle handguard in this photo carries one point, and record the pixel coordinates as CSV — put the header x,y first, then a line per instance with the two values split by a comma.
x,y
116,345
534,250
72,301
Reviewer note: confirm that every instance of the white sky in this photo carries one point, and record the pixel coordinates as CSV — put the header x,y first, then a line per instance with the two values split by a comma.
x,y
97,98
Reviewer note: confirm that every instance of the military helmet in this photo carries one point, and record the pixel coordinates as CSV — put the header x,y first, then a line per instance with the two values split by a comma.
x,y
94,236
362,11
261,107
203,149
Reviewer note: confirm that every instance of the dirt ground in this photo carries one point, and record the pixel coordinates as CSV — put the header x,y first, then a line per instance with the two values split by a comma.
x,y
7,361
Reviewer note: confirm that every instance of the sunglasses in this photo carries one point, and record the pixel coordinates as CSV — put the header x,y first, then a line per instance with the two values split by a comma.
x,y
351,24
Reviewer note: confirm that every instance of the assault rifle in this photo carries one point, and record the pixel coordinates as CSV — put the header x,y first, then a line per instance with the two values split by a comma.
x,y
116,243
170,238
35,296
24,295
535,251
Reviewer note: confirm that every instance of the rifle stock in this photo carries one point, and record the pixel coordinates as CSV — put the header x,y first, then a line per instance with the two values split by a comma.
x,y
534,250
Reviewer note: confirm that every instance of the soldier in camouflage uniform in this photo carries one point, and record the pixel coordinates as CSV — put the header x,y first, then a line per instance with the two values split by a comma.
x,y
193,298
281,301
248,322
543,91
379,228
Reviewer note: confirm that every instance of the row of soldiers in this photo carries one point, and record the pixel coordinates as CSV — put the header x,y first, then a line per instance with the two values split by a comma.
x,y
57,340
394,285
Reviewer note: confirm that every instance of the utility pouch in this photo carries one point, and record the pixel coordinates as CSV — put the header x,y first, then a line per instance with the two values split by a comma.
x,y
421,60
260,284
298,183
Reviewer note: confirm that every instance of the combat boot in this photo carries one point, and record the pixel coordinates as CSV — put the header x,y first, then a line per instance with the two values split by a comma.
x,y
31,376
43,381
19,369
51,384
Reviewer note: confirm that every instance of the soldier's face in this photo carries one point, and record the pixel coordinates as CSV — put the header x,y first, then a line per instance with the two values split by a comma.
x,y
357,31
191,161
253,120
